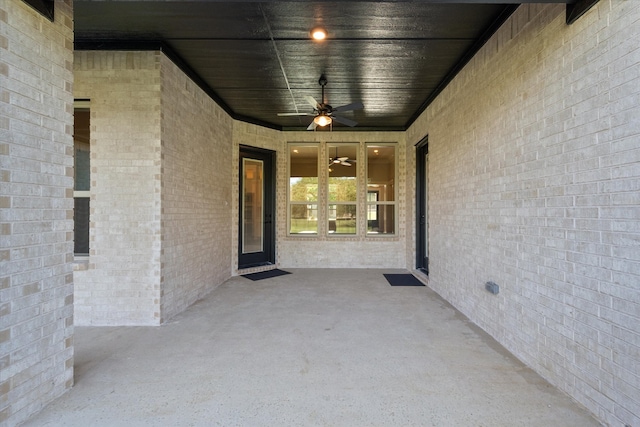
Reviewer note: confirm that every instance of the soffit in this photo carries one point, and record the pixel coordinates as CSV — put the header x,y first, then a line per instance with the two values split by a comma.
x,y
256,58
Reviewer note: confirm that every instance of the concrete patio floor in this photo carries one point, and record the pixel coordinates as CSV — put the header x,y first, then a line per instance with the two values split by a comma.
x,y
316,347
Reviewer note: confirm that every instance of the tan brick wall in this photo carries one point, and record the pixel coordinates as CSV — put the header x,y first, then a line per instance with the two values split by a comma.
x,y
535,185
324,251
36,208
196,192
121,284
161,190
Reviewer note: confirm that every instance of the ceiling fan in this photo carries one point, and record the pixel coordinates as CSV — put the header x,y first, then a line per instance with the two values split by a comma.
x,y
344,161
323,112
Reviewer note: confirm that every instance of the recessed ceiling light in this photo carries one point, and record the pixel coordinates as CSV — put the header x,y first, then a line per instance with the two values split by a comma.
x,y
319,33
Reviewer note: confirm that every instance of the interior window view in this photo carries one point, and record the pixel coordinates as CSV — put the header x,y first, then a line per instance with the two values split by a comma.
x,y
303,189
381,189
340,170
342,191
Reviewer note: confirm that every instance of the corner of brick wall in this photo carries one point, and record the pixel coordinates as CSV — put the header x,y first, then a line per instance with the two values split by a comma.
x,y
36,219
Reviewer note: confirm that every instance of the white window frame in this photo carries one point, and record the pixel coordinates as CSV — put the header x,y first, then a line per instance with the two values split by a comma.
x,y
327,202
393,203
317,146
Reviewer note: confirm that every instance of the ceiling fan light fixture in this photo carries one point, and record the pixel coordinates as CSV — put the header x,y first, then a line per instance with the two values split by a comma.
x,y
322,120
318,33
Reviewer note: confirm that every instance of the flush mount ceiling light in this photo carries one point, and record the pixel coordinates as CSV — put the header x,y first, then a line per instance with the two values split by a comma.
x,y
318,33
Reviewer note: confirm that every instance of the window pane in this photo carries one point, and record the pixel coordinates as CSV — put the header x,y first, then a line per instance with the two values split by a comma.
x,y
381,219
252,202
381,171
342,189
82,170
81,226
303,178
342,219
303,189
304,219
82,180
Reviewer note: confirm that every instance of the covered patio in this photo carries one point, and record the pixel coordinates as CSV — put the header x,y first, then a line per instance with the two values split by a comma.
x,y
315,347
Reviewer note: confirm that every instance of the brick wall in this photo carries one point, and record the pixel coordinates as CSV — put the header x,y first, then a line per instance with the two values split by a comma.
x,y
324,251
121,283
36,208
535,185
196,192
160,191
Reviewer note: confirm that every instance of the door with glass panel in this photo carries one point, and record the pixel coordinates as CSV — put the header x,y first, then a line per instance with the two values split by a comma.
x,y
257,208
422,221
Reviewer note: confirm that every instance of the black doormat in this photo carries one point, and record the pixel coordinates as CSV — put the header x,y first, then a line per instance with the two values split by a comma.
x,y
402,280
265,274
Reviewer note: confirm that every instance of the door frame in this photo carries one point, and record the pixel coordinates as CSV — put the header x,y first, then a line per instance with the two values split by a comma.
x,y
269,192
422,224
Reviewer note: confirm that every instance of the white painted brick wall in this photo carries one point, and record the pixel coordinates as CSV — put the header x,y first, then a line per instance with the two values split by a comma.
x,y
535,184
121,284
197,141
36,208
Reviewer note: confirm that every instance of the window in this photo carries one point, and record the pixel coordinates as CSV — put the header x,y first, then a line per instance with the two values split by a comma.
x,y
329,188
82,178
381,189
342,189
303,189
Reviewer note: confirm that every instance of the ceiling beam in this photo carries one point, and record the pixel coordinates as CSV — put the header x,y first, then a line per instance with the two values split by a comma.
x,y
576,10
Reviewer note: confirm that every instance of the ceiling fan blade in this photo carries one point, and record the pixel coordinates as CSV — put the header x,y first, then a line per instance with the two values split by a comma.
x,y
344,121
349,107
342,159
311,100
312,126
345,163
295,114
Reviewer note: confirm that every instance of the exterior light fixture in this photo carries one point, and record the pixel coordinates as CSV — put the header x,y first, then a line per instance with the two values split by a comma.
x,y
318,33
322,120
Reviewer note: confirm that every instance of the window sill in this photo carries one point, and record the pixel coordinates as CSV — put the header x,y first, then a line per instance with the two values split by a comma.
x,y
80,262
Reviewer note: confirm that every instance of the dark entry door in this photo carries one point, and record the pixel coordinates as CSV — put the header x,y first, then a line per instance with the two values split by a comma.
x,y
257,207
422,223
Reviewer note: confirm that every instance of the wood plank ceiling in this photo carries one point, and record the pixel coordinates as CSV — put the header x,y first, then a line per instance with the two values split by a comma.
x,y
257,59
